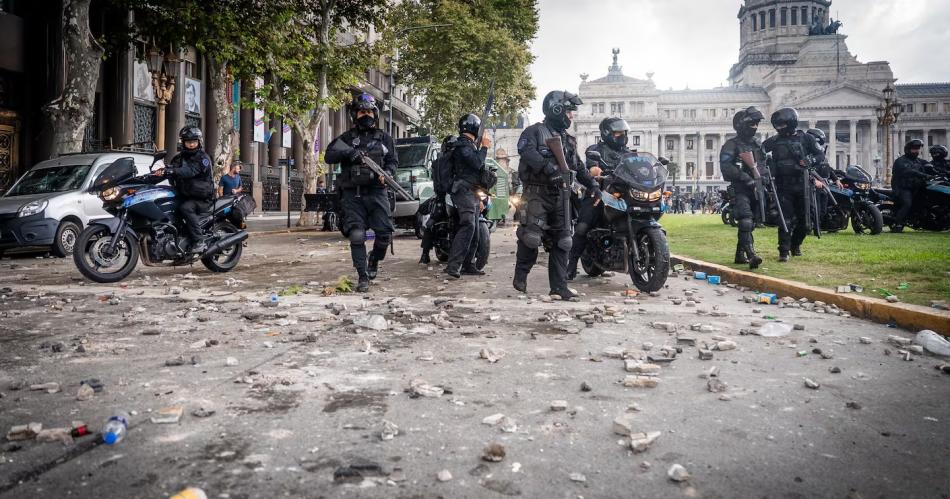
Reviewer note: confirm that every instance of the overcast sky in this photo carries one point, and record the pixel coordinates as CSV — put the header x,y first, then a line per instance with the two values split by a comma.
x,y
694,42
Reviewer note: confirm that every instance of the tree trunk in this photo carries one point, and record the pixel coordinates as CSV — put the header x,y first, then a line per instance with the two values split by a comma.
x,y
311,168
221,87
71,112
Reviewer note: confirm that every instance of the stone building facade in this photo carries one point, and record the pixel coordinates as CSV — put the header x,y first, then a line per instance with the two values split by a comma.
x,y
790,56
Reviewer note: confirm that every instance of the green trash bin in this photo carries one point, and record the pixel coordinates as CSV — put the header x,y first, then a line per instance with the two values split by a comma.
x,y
500,194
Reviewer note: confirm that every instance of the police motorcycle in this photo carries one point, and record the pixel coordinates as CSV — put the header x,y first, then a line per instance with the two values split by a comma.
x,y
931,210
866,218
725,207
146,225
445,228
628,237
838,209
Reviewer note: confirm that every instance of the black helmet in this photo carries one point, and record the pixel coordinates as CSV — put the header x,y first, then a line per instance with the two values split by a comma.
x,y
939,152
609,127
364,101
555,106
785,121
469,124
818,134
190,133
914,144
744,120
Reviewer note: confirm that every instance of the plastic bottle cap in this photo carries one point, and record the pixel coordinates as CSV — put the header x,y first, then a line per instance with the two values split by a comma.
x,y
110,438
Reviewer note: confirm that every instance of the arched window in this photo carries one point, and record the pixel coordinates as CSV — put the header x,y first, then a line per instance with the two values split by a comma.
x,y
784,16
771,18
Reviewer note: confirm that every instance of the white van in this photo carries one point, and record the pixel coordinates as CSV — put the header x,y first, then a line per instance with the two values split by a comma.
x,y
49,205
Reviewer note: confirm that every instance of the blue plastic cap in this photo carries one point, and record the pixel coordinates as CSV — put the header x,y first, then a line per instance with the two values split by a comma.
x,y
110,438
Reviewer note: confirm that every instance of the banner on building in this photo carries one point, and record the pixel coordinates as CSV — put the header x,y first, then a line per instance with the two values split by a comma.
x,y
288,140
259,117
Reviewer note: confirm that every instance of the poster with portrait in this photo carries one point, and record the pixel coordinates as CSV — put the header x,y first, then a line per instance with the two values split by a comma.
x,y
142,82
258,116
192,96
287,136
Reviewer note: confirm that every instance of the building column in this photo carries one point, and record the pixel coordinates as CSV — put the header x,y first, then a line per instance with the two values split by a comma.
x,y
682,158
854,143
660,148
926,142
118,119
833,142
872,140
701,156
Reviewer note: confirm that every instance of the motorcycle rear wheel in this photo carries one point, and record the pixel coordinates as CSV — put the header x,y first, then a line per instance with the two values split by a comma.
x,y
650,271
228,258
727,216
90,254
589,267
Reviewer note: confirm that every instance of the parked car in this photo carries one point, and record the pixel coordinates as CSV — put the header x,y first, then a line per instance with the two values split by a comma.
x,y
49,205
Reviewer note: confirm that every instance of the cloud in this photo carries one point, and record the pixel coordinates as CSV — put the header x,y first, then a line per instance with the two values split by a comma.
x,y
693,43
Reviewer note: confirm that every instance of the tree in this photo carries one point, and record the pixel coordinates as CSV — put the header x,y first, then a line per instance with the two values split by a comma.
x,y
70,113
451,68
321,54
235,37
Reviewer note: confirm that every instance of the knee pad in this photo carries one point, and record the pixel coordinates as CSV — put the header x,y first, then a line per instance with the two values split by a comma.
x,y
746,225
357,237
530,236
565,243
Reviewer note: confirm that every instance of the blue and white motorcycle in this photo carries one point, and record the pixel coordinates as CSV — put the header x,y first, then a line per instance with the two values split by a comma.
x,y
146,225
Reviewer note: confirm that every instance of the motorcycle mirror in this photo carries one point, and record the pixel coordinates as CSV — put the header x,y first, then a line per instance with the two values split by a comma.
x,y
663,161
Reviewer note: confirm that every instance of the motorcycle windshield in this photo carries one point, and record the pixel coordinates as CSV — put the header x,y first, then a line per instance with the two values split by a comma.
x,y
858,174
640,171
118,172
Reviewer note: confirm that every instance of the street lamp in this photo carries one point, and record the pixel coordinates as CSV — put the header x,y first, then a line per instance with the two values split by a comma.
x,y
395,62
887,114
164,68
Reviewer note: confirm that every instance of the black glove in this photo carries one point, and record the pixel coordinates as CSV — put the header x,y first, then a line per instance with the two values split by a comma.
x,y
355,155
594,192
550,169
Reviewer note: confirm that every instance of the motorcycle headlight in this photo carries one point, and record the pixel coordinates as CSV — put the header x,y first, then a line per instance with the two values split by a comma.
x,y
645,196
32,208
109,194
863,186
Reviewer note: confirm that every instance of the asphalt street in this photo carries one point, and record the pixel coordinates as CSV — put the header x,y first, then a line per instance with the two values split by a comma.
x,y
319,397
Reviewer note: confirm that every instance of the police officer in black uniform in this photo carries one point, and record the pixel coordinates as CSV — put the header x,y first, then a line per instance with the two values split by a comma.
x,y
468,161
612,146
541,214
908,177
824,170
191,174
793,153
938,158
365,202
743,184
437,212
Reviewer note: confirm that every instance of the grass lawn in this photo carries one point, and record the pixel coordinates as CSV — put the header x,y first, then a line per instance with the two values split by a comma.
x,y
881,262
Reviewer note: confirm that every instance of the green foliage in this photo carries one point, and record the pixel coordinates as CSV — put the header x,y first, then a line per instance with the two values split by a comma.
x,y
344,285
292,290
452,67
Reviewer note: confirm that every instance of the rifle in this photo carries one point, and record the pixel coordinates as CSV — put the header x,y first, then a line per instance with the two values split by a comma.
x,y
778,203
488,106
567,177
378,170
748,159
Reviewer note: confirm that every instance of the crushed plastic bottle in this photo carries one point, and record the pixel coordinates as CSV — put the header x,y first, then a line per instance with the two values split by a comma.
x,y
115,428
774,329
933,343
190,493
274,299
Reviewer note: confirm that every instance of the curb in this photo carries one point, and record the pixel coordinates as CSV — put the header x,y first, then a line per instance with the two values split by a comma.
x,y
283,231
913,317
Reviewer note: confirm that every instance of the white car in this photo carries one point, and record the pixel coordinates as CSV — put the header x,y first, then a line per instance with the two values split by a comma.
x,y
50,204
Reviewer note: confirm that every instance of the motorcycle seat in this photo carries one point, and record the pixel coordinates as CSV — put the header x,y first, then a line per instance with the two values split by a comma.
x,y
221,202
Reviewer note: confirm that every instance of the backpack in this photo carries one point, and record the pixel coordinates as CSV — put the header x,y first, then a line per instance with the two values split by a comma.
x,y
488,177
443,171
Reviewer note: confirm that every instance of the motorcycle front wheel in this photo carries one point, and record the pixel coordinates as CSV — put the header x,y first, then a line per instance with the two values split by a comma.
x,y
727,217
587,262
228,258
650,270
867,219
94,260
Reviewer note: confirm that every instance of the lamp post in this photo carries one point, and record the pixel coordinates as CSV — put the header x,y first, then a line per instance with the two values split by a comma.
x,y
395,62
164,68
887,114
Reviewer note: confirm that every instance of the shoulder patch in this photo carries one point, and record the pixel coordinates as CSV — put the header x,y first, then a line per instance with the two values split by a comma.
x,y
522,142
206,162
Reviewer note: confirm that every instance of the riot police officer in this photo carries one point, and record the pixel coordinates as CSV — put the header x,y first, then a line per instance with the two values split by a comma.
x,y
737,158
612,146
468,161
938,158
823,169
542,214
365,202
191,174
794,152
909,176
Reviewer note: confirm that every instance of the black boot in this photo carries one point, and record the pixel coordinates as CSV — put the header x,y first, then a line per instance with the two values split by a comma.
x,y
796,251
520,284
566,294
453,273
753,259
372,268
471,270
363,285
424,259
741,256
783,256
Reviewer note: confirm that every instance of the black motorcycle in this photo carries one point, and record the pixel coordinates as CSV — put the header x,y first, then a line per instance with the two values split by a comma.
x,y
837,213
931,210
444,224
628,237
866,218
146,225
726,207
